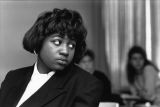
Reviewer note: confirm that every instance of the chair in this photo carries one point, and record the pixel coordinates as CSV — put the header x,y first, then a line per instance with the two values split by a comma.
x,y
108,104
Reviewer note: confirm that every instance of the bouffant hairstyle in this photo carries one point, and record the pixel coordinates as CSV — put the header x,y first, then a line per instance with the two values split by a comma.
x,y
61,21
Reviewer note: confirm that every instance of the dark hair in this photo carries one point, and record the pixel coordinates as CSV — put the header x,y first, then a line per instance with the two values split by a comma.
x,y
131,72
89,53
65,22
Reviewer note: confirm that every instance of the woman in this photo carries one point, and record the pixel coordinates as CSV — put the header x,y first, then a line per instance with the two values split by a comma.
x,y
142,75
58,39
87,63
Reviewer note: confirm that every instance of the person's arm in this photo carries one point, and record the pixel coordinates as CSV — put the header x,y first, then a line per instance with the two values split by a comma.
x,y
133,90
90,96
150,76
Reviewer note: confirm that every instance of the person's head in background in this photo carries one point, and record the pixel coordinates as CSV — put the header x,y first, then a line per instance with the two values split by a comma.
x,y
87,61
137,60
58,39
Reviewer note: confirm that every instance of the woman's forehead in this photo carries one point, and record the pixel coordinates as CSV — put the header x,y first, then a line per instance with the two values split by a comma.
x,y
63,36
137,55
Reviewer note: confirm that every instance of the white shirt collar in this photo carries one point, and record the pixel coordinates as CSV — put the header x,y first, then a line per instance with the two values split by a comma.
x,y
37,81
37,74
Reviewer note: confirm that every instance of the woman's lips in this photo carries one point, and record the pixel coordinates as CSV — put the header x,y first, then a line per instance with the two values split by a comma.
x,y
62,61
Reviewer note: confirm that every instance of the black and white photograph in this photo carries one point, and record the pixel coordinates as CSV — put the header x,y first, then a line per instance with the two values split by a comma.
x,y
79,53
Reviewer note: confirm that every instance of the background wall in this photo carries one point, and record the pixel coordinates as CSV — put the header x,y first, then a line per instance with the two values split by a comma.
x,y
16,17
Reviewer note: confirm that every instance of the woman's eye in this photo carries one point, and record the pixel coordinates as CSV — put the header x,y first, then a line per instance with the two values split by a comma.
x,y
71,45
57,42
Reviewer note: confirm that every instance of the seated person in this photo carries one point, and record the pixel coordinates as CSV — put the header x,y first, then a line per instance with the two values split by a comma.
x,y
142,76
87,63
58,39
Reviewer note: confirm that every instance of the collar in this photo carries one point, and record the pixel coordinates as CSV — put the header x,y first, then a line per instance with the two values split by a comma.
x,y
40,75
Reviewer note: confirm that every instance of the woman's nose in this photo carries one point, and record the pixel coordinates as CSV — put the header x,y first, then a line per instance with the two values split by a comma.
x,y
64,50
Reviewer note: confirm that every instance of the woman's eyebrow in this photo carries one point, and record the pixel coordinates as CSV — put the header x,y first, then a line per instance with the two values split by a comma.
x,y
57,35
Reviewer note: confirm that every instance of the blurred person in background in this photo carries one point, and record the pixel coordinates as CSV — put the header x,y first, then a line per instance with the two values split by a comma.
x,y
88,63
58,39
142,76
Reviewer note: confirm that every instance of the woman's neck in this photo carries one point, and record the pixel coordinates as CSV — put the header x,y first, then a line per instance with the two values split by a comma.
x,y
139,72
42,67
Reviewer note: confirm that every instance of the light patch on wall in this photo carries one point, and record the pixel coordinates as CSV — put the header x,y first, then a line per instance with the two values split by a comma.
x,y
148,30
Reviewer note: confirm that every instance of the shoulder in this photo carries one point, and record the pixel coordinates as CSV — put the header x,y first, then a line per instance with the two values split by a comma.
x,y
84,79
82,74
18,73
14,76
150,70
86,86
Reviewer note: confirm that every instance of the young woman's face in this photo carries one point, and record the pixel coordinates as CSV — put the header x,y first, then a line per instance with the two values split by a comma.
x,y
57,52
87,64
137,61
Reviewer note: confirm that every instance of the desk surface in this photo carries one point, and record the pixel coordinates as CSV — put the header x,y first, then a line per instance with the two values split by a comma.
x,y
129,97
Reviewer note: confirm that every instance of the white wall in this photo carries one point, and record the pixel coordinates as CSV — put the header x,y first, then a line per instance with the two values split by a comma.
x,y
16,17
